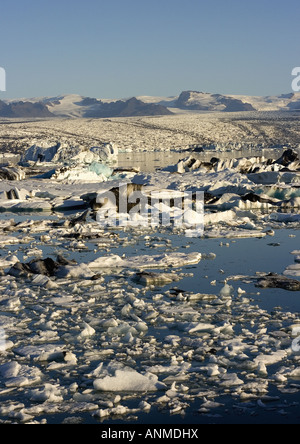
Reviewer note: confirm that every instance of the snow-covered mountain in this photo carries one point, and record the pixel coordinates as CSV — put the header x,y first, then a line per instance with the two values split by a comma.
x,y
74,105
201,101
194,100
25,109
77,106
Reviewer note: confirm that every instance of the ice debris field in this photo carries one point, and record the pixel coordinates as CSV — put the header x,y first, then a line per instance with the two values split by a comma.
x,y
149,322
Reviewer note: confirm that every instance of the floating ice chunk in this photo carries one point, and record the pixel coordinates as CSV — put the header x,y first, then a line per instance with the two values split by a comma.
x,y
145,406
10,370
211,404
21,375
123,329
234,234
120,410
280,378
190,218
285,217
227,291
38,351
8,240
141,327
44,281
100,169
51,393
213,370
230,380
113,261
4,343
8,261
271,359
128,380
64,301
262,369
32,205
293,270
97,372
173,369
147,278
81,271
13,303
59,356
109,323
95,172
88,332
215,218
226,328
295,330
201,327
144,262
295,373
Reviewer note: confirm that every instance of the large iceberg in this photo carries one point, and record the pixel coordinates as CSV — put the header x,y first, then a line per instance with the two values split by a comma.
x,y
95,172
67,153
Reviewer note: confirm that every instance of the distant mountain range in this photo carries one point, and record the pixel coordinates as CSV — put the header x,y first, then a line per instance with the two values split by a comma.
x,y
24,109
76,106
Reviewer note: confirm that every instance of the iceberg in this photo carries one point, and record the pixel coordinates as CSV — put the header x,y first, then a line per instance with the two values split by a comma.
x,y
95,172
66,153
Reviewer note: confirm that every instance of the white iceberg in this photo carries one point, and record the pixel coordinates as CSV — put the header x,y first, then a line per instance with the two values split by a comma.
x,y
66,152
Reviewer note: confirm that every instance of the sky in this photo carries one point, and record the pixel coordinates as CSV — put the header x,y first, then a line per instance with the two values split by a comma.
x,y
124,48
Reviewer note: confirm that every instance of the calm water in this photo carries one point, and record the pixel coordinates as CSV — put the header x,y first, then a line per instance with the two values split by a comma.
x,y
148,162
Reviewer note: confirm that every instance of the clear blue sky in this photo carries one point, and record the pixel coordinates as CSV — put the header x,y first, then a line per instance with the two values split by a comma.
x,y
123,48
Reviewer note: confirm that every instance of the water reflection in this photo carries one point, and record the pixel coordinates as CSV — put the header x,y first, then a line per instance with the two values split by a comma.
x,y
148,162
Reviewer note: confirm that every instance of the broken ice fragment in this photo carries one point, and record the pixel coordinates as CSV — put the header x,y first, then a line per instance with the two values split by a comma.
x,y
87,332
128,380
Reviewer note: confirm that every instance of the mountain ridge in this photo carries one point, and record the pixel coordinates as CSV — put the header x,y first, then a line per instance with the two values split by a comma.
x,y
77,106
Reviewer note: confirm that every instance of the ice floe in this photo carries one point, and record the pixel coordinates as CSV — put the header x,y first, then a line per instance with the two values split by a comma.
x,y
147,261
128,380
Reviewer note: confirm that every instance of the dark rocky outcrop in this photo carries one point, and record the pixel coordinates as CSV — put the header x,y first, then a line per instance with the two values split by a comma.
x,y
130,108
46,267
274,280
252,197
24,109
211,102
288,157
